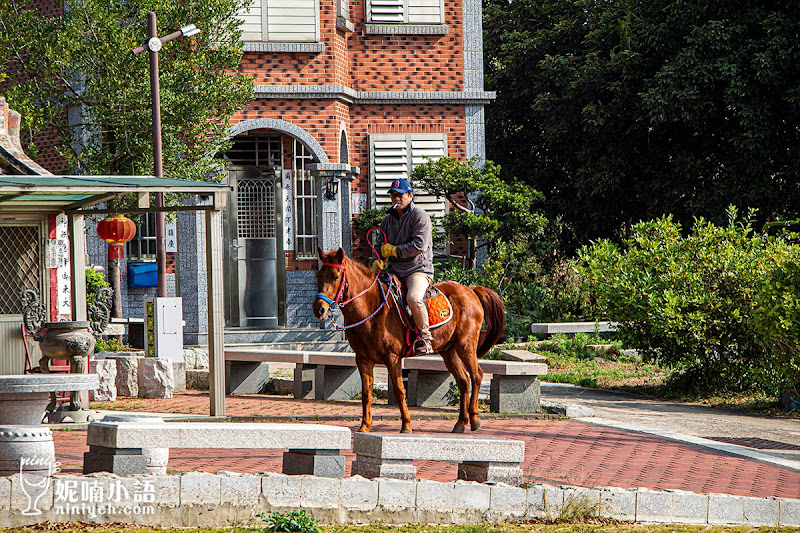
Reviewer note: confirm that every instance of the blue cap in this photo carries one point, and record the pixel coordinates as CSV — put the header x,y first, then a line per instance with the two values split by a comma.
x,y
401,186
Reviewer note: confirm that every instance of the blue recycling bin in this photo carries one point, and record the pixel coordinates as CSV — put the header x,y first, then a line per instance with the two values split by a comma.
x,y
142,274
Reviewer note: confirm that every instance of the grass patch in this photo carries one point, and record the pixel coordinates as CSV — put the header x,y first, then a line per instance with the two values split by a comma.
x,y
578,361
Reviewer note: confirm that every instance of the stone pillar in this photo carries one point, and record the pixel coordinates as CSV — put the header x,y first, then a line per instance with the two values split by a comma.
x,y
333,214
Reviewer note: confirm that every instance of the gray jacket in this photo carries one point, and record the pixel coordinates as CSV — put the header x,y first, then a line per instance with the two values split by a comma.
x,y
411,233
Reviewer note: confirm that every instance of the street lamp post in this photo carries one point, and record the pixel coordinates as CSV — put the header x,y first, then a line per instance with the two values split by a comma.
x,y
153,45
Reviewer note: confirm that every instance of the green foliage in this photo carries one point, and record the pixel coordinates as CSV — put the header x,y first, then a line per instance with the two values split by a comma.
x,y
94,281
289,522
627,110
369,218
777,317
111,344
82,60
700,302
531,292
487,207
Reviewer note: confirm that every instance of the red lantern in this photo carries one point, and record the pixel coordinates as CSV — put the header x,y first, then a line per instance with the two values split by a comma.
x,y
116,230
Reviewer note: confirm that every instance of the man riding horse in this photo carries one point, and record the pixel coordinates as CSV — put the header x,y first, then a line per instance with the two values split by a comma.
x,y
409,244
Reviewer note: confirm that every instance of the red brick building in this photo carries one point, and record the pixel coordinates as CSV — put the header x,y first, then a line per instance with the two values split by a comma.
x,y
357,93
349,96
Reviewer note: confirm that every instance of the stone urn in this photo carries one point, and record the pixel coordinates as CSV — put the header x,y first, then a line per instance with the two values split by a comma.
x,y
70,340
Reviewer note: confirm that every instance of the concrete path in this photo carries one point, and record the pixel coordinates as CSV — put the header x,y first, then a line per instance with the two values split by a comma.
x,y
770,439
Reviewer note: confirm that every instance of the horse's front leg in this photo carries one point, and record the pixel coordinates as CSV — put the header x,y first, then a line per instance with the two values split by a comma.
x,y
367,380
396,376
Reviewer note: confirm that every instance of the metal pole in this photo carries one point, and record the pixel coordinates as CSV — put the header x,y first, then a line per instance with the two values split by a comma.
x,y
158,168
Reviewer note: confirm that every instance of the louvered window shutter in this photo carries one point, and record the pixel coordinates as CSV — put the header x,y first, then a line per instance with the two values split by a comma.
x,y
292,20
251,21
395,156
343,8
405,11
385,11
424,12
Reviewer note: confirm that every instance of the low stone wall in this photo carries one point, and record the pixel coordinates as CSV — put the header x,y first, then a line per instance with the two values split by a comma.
x,y
202,499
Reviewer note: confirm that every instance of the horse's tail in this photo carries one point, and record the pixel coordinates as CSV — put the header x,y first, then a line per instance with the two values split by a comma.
x,y
494,316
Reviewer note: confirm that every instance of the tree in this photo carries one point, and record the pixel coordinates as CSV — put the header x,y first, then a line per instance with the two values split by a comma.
x,y
487,207
81,62
622,110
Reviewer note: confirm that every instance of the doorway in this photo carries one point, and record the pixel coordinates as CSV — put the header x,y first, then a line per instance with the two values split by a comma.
x,y
254,253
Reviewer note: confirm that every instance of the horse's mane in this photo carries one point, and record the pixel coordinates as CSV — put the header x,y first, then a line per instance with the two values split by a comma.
x,y
362,268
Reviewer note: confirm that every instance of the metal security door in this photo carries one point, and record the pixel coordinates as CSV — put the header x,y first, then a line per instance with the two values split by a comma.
x,y
255,247
20,268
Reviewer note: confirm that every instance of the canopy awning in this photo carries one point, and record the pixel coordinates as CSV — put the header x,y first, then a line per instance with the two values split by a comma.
x,y
70,193
24,196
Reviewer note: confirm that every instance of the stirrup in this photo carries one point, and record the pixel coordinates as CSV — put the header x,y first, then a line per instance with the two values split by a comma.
x,y
422,347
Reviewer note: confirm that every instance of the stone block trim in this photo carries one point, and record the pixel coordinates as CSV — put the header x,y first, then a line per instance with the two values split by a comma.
x,y
296,48
406,29
228,498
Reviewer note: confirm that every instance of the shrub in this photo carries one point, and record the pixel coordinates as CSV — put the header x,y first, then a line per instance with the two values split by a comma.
x,y
777,319
693,302
289,522
94,281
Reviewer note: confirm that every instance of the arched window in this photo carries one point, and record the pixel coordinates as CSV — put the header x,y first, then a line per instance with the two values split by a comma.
x,y
344,153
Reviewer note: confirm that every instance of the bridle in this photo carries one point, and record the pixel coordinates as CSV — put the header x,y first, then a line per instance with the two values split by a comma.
x,y
343,284
340,292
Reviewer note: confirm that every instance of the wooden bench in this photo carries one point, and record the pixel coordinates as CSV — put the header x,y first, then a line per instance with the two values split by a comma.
x,y
482,459
571,328
514,387
312,448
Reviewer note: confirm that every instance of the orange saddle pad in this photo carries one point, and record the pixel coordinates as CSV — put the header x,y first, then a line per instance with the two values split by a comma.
x,y
439,309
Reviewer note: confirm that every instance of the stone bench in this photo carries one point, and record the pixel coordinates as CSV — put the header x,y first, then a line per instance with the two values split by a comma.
x,y
571,328
317,375
515,386
312,448
482,459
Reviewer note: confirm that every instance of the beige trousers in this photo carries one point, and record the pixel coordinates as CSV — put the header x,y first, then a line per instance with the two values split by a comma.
x,y
416,286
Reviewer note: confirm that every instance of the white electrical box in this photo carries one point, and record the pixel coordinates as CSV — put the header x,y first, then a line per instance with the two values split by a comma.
x,y
164,328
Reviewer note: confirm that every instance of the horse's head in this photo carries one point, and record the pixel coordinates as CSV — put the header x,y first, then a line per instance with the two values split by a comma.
x,y
330,282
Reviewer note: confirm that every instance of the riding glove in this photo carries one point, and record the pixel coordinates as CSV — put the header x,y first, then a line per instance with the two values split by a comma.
x,y
389,250
377,265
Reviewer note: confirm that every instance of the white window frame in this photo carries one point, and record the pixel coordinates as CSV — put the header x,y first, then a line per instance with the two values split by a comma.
x,y
343,9
265,35
142,247
407,16
305,203
379,198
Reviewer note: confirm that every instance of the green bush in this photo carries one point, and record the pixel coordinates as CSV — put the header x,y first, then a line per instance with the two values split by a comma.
x,y
289,522
531,292
94,281
111,344
699,302
778,317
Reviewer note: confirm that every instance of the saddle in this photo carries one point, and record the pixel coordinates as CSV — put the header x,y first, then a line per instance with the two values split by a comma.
x,y
440,311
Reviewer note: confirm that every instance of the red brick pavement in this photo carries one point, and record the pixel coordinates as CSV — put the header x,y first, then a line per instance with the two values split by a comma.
x,y
556,451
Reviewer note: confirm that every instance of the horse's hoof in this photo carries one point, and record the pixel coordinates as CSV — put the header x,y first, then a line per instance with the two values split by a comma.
x,y
405,430
363,429
474,426
458,428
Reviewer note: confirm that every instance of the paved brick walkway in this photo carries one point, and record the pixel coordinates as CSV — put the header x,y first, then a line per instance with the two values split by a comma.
x,y
557,451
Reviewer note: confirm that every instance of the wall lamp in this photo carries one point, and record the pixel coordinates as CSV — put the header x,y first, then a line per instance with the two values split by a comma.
x,y
331,188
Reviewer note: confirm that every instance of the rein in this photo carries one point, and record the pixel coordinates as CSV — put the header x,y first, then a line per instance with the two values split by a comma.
x,y
343,284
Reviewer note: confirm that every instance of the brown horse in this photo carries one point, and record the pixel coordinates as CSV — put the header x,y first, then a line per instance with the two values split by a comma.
x,y
380,338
